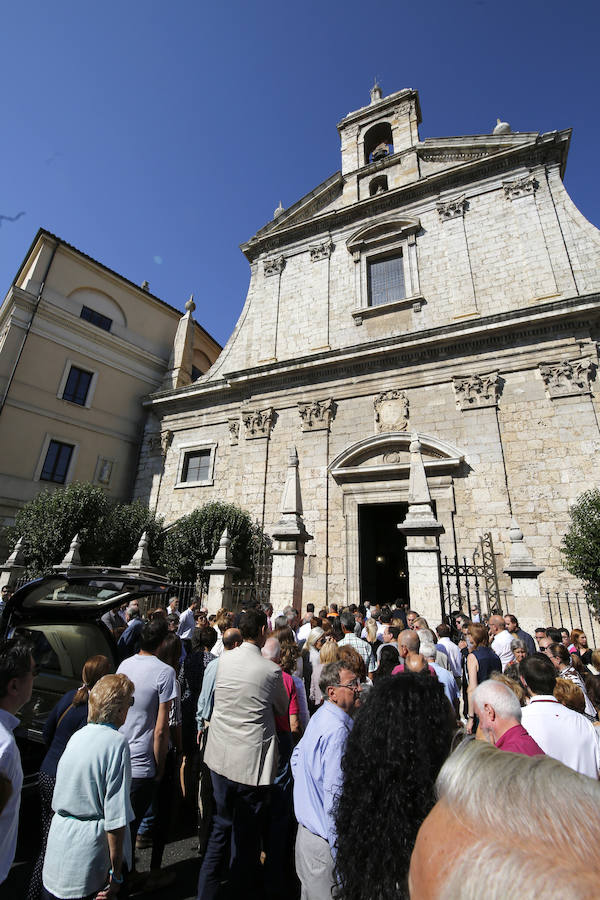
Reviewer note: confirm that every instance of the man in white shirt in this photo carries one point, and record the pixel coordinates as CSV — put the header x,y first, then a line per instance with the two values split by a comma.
x,y
562,733
454,654
186,620
306,628
173,607
501,640
17,671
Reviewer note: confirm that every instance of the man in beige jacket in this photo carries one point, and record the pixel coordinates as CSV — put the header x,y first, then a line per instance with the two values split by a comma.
x,y
241,753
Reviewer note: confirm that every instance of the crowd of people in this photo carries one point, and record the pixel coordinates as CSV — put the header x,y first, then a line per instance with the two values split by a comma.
x,y
356,754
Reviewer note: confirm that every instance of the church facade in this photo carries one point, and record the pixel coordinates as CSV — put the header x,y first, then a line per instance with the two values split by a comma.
x,y
438,295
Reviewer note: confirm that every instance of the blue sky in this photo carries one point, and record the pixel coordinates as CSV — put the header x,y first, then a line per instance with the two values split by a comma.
x,y
157,137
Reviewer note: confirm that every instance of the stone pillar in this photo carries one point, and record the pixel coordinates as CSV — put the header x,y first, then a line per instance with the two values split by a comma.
x,y
289,537
527,599
220,573
422,532
14,567
140,561
71,559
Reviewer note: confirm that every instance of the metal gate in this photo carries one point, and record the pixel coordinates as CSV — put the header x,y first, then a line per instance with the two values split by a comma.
x,y
257,588
470,585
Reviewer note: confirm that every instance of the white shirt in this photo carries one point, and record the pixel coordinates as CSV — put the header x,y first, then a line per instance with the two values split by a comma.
x,y
186,623
304,631
10,765
562,733
454,655
501,647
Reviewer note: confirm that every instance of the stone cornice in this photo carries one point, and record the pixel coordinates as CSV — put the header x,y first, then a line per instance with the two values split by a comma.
x,y
546,148
433,345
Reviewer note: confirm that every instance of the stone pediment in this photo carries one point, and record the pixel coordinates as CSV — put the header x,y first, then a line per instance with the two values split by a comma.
x,y
452,151
387,456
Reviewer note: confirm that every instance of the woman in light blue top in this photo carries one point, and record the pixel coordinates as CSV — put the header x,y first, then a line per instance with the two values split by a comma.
x,y
89,845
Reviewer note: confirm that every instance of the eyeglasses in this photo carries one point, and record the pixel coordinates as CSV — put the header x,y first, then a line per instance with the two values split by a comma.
x,y
351,684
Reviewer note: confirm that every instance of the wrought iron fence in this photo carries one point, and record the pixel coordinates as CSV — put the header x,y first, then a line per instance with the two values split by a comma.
x,y
572,610
468,585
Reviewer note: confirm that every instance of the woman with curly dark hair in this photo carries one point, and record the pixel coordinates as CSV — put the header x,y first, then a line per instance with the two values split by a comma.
x,y
395,750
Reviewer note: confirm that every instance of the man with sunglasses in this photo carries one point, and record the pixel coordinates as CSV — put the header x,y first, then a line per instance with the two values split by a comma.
x,y
17,671
316,764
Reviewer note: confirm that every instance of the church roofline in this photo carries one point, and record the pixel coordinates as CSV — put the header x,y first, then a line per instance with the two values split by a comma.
x,y
484,330
381,105
539,148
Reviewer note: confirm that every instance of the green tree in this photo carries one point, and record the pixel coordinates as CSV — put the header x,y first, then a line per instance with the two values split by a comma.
x,y
109,532
581,545
191,543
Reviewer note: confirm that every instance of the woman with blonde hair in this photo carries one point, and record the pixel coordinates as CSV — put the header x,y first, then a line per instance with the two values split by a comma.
x,y
92,809
68,716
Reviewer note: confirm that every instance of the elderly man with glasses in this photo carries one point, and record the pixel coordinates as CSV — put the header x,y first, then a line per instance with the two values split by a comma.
x,y
316,764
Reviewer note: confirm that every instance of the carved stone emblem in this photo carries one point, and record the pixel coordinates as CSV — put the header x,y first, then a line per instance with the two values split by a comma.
x,y
452,209
316,415
258,422
567,378
274,266
160,443
321,251
477,391
391,411
521,187
234,431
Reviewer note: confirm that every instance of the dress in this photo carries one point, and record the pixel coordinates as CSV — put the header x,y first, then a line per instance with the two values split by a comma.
x,y
91,797
487,661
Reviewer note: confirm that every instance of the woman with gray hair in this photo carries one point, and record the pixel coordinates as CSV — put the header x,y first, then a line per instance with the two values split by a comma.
x,y
519,649
91,802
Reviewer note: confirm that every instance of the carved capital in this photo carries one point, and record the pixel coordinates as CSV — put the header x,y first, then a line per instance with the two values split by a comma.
x,y
521,187
258,422
452,209
316,415
274,266
233,426
477,391
568,378
391,411
321,251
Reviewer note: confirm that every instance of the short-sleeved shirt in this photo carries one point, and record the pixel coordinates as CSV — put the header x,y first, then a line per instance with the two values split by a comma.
x,y
282,723
91,797
154,684
10,766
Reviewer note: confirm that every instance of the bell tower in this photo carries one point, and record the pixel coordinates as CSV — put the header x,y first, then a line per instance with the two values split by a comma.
x,y
378,144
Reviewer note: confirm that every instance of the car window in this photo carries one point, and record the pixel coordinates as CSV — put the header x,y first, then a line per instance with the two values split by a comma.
x,y
60,650
80,593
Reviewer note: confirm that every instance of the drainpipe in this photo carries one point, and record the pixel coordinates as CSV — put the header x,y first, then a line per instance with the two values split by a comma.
x,y
29,324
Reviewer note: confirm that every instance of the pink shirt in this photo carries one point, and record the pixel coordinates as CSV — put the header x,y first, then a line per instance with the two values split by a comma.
x,y
282,723
400,669
517,740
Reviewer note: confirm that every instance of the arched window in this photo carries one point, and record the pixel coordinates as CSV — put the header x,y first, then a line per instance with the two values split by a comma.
x,y
378,185
378,142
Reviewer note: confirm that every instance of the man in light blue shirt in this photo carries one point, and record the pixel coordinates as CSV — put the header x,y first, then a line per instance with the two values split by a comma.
x,y
316,764
446,678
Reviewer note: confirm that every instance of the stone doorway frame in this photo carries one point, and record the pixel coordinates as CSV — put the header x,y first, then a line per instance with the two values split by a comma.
x,y
386,483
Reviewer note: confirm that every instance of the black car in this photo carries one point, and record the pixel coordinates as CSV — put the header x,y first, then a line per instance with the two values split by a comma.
x,y
60,616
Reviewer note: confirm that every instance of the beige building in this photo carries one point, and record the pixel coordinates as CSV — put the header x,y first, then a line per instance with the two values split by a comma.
x,y
439,296
80,346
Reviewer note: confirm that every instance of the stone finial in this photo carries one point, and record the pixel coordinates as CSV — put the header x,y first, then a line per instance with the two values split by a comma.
x,y
376,92
179,370
17,557
501,127
145,286
223,555
420,517
190,306
278,211
72,556
141,557
291,525
520,563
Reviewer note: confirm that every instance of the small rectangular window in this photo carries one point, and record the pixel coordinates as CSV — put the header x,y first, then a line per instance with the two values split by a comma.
x,y
56,464
77,386
196,466
386,280
96,318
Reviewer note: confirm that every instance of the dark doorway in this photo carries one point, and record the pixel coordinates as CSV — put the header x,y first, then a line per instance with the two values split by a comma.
x,y
383,566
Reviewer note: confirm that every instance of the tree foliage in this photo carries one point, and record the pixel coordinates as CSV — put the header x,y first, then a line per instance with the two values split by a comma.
x,y
191,543
109,532
581,543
